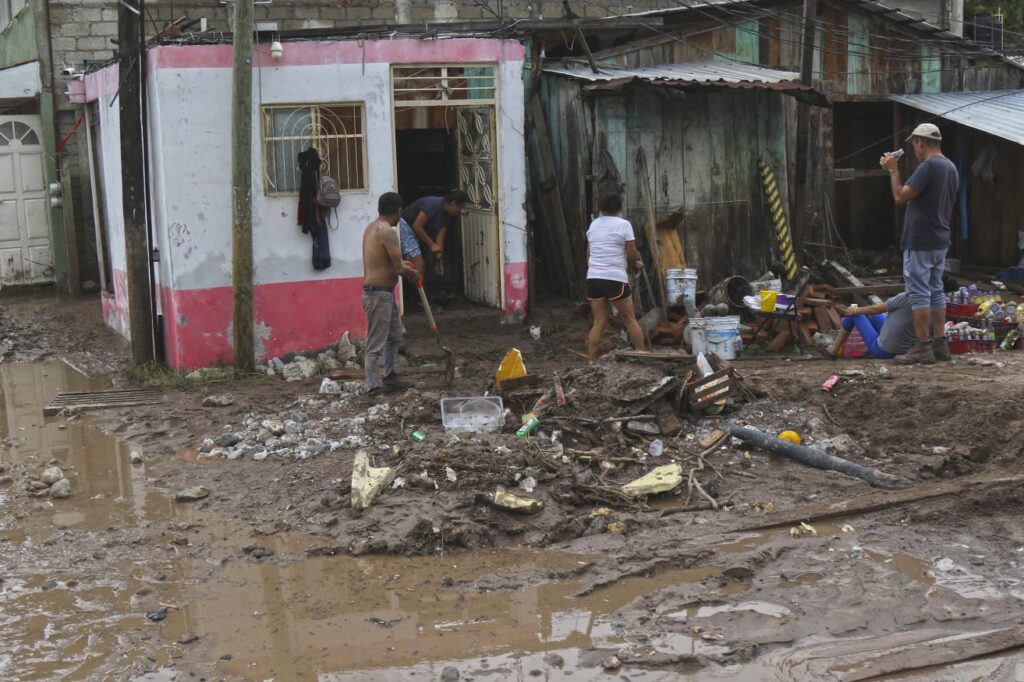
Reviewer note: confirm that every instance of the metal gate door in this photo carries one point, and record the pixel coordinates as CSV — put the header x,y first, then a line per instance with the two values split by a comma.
x,y
481,247
26,255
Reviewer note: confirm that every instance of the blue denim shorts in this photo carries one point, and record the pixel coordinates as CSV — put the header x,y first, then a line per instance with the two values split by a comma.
x,y
410,245
922,272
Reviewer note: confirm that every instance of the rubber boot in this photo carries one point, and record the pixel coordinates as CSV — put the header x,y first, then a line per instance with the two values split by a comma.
x,y
941,349
920,354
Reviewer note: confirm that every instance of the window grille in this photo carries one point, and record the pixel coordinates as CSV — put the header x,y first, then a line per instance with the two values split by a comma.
x,y
443,85
336,131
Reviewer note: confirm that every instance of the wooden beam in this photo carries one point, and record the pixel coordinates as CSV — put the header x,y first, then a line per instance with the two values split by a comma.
x,y
133,182
241,188
650,229
863,290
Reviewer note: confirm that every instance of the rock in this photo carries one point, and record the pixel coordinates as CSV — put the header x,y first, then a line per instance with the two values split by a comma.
x,y
554,660
368,481
289,440
516,503
135,457
292,426
188,638
6,480
299,417
345,349
260,456
884,372
449,673
843,445
276,366
227,440
257,552
51,475
192,494
157,615
611,663
273,426
222,400
330,364
61,489
36,485
315,447
659,480
646,428
299,369
329,387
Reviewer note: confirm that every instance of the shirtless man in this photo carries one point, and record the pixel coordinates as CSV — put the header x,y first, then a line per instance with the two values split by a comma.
x,y
382,266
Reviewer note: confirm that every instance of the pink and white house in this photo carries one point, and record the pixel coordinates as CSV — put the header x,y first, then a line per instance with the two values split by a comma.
x,y
409,114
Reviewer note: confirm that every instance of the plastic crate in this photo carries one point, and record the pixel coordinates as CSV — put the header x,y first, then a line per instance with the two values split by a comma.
x,y
967,310
484,414
854,346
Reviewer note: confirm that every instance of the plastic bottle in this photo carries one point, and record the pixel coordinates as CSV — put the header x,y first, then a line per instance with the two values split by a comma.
x,y
656,448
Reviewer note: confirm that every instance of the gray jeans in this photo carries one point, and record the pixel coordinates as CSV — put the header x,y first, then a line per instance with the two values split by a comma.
x,y
922,272
383,335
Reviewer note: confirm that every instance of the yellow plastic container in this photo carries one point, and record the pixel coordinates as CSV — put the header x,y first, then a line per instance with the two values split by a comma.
x,y
512,367
768,300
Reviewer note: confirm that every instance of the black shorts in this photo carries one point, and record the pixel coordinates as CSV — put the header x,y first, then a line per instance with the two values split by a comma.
x,y
608,289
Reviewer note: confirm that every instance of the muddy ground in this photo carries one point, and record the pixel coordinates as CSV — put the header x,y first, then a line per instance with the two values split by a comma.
x,y
274,576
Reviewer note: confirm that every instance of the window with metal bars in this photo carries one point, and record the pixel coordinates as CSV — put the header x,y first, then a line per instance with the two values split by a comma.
x,y
336,131
443,84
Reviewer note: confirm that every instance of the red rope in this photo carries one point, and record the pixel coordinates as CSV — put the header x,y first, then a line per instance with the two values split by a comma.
x,y
74,129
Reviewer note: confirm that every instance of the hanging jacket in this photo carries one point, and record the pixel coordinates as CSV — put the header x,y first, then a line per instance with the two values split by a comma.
x,y
309,182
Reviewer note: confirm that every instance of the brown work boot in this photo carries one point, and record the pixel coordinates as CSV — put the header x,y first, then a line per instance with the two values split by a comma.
x,y
941,349
920,354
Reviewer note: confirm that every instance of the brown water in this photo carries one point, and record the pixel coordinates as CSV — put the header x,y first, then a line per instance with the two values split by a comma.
x,y
77,577
80,574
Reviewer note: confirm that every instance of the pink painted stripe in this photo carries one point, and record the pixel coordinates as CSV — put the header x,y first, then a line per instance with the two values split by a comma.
x,y
314,53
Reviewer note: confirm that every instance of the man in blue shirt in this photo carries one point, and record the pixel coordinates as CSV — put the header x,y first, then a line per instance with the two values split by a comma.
x,y
929,195
426,221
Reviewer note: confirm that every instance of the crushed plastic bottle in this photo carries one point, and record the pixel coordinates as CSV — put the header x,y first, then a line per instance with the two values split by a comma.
x,y
656,448
528,484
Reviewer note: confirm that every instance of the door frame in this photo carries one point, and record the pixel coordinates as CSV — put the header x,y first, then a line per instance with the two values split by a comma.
x,y
494,104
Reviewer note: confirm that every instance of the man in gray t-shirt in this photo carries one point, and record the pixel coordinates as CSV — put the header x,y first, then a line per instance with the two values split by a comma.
x,y
929,194
886,328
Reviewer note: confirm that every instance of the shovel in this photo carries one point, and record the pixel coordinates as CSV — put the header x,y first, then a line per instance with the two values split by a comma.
x,y
449,359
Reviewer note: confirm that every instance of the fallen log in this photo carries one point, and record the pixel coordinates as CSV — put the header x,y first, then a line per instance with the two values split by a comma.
x,y
817,458
874,502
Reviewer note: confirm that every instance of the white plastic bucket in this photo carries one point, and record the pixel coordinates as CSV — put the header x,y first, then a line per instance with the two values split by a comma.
x,y
698,331
681,289
721,336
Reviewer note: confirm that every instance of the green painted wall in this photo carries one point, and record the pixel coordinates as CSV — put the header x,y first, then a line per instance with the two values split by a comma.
x,y
19,44
18,40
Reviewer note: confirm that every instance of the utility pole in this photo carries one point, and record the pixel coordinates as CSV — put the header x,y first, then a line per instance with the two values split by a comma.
x,y
133,180
803,125
241,187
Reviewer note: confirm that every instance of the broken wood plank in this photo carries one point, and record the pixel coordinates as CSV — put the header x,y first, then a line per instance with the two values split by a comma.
x,y
844,276
890,288
711,389
669,245
779,342
822,318
835,317
654,356
81,401
875,501
355,374
902,652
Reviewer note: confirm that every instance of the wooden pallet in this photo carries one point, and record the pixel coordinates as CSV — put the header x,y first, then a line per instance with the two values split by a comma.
x,y
711,389
98,400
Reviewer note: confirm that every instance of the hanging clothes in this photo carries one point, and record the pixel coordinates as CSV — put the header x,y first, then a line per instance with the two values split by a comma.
x,y
310,217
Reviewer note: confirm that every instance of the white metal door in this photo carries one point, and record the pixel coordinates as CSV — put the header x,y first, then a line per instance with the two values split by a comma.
x,y
481,247
26,255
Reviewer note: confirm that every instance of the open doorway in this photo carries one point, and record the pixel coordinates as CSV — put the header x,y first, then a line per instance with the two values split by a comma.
x,y
446,138
426,151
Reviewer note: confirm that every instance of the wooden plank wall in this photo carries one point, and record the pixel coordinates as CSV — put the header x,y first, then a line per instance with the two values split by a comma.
x,y
995,212
702,153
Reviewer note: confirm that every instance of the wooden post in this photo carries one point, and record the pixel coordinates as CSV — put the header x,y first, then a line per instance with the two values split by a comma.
x,y
241,187
133,180
803,127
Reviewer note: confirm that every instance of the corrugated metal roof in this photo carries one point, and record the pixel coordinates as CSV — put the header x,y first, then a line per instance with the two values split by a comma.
x,y
996,112
693,72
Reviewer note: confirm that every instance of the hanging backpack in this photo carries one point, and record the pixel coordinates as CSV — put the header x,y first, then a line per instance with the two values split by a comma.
x,y
328,195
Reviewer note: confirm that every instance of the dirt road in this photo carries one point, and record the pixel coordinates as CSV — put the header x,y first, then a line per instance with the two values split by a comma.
x,y
273,576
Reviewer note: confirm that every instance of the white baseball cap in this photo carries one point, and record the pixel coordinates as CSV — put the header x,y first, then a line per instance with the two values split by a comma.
x,y
928,131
